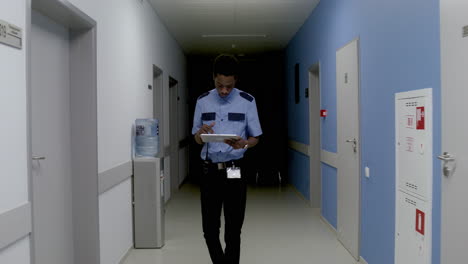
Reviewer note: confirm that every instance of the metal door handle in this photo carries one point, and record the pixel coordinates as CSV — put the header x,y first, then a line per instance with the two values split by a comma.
x,y
38,158
446,157
354,144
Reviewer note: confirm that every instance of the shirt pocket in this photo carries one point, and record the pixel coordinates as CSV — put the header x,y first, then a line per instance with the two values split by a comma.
x,y
208,116
236,117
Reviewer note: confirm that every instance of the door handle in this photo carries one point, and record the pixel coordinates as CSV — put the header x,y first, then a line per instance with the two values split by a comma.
x,y
38,158
354,141
446,158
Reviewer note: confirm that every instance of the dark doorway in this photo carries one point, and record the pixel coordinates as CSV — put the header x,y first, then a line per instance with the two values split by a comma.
x,y
261,76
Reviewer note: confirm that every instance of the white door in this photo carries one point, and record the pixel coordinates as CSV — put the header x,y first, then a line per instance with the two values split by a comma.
x,y
454,63
347,84
51,176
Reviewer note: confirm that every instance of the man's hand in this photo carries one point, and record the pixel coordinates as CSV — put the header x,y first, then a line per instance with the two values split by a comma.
x,y
237,143
205,129
240,143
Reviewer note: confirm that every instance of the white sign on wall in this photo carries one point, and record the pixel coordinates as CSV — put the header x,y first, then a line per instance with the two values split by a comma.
x,y
10,35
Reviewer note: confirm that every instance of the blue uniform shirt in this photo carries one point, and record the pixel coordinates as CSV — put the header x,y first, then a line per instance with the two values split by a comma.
x,y
233,114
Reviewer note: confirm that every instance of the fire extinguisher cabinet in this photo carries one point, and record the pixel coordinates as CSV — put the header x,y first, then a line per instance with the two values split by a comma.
x,y
413,177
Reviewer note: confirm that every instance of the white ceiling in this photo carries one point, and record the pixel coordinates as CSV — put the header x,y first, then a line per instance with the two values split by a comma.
x,y
233,26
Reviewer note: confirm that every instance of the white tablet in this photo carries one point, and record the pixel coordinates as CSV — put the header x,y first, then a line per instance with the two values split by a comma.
x,y
218,137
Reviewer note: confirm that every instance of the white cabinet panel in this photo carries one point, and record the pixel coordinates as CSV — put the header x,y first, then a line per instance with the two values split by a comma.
x,y
414,144
412,234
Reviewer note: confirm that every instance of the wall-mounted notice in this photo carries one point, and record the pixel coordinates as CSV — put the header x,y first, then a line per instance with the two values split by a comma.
x,y
10,35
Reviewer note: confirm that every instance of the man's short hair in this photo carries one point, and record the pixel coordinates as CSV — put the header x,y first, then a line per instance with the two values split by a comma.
x,y
226,65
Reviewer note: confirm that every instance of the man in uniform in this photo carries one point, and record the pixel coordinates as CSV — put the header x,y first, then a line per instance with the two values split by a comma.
x,y
225,110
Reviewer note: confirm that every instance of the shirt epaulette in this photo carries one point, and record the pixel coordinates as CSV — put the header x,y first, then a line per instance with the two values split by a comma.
x,y
246,96
203,95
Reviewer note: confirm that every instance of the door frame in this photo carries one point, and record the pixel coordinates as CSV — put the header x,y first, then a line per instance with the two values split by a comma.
x,y
158,105
315,139
174,133
83,118
356,255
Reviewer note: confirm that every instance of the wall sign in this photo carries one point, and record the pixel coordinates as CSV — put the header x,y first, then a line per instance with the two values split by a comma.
x,y
420,118
10,35
420,221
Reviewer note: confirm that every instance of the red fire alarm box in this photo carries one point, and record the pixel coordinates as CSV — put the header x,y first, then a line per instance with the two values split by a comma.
x,y
323,113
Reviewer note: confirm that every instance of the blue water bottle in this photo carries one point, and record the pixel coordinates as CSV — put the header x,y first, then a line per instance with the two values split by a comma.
x,y
147,137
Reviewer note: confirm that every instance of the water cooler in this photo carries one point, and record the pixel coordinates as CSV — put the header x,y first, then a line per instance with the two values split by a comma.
x,y
148,202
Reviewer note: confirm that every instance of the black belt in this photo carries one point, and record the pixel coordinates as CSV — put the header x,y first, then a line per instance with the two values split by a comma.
x,y
224,165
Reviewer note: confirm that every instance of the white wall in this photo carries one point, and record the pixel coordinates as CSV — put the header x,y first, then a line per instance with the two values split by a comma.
x,y
115,221
13,179
13,128
17,253
130,39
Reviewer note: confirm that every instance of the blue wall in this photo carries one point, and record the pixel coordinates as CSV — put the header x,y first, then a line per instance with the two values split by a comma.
x,y
295,172
329,194
399,51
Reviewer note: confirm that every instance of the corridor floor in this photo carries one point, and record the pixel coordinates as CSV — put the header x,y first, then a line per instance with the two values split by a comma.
x,y
279,228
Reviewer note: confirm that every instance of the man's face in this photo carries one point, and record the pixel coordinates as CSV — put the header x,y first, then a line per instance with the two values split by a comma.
x,y
224,84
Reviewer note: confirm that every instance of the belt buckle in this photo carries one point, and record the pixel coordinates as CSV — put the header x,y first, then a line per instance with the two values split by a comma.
x,y
221,165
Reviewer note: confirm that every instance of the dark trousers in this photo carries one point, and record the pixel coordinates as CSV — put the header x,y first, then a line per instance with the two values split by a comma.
x,y
217,191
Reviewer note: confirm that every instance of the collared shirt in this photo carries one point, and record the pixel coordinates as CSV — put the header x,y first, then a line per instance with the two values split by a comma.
x,y
233,114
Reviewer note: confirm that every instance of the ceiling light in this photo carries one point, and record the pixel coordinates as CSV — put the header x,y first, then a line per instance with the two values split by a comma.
x,y
234,36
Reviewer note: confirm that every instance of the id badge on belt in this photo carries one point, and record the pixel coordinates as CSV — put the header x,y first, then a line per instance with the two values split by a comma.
x,y
233,172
